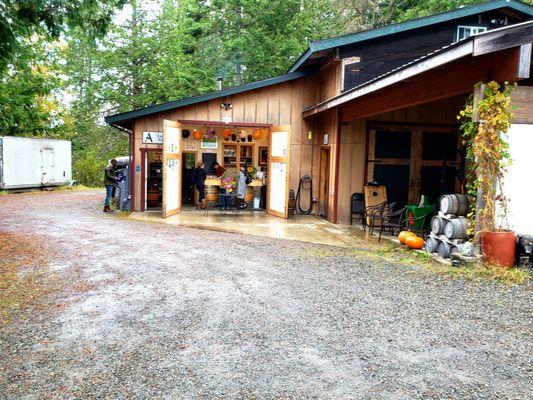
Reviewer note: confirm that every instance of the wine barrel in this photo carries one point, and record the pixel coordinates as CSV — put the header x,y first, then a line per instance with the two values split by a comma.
x,y
431,244
211,193
437,225
152,197
456,228
249,194
456,204
444,249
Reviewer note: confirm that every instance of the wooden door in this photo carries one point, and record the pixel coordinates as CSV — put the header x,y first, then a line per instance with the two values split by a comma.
x,y
411,161
324,182
278,171
171,168
390,163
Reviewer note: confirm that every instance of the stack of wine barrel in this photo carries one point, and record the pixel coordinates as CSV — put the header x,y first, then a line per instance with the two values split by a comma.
x,y
449,226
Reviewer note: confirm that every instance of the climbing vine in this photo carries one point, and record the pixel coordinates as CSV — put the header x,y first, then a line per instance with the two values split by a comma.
x,y
487,150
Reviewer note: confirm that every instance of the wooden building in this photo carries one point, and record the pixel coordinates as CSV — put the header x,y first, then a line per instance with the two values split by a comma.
x,y
378,105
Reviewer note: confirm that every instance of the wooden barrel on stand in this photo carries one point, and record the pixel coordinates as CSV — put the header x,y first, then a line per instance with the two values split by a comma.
x,y
437,225
211,193
456,228
456,204
152,197
249,194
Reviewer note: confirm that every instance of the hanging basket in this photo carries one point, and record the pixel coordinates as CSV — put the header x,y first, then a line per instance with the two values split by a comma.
x,y
197,134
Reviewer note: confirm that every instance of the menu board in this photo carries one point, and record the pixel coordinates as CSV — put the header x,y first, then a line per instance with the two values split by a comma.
x,y
208,160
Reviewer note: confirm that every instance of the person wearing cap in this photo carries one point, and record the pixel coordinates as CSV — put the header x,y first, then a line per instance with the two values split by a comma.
x,y
110,181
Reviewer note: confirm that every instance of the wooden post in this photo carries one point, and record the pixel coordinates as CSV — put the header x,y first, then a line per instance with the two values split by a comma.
x,y
479,94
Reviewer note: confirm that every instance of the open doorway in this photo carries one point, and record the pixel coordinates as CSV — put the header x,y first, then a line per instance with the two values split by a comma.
x,y
154,180
187,186
324,182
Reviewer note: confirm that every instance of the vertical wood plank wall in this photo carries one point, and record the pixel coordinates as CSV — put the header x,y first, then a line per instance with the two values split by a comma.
x,y
280,104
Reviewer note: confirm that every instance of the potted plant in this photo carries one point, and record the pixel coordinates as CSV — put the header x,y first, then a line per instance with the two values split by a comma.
x,y
485,123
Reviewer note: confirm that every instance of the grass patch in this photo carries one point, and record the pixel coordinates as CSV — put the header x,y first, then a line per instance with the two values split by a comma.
x,y
78,188
23,278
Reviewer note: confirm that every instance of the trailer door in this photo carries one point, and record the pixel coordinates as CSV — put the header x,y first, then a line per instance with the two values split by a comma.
x,y
171,168
47,165
278,171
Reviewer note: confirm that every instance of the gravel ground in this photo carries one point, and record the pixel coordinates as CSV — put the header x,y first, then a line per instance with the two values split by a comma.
x,y
158,311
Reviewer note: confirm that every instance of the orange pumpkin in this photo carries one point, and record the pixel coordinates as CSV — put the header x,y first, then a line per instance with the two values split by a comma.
x,y
257,133
404,235
414,242
197,134
226,133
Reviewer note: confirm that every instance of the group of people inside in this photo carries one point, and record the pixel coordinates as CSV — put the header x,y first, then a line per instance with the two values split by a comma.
x,y
240,175
199,176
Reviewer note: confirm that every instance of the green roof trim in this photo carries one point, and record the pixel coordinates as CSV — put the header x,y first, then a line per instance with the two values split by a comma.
x,y
141,112
355,37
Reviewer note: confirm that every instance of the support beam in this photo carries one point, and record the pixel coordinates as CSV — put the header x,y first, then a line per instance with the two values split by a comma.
x,y
524,61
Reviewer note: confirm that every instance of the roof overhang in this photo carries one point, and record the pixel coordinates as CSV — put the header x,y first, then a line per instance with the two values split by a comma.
x,y
476,46
125,120
356,37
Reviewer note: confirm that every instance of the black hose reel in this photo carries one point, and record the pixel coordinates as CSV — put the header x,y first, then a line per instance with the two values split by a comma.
x,y
305,184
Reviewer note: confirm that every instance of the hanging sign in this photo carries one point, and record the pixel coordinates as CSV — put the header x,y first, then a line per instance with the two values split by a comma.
x,y
326,138
152,137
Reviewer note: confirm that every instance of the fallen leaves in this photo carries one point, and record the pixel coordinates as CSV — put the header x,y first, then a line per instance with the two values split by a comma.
x,y
23,278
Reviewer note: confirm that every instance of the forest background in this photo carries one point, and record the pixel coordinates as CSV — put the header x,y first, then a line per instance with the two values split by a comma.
x,y
65,64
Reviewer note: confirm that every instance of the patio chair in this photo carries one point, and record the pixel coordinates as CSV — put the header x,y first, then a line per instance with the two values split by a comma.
x,y
379,213
211,205
369,211
357,208
398,221
391,221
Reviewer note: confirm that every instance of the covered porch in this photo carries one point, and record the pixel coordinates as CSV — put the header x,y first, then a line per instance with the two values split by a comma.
x,y
401,129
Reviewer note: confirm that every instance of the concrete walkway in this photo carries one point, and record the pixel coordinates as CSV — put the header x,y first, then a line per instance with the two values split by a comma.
x,y
305,228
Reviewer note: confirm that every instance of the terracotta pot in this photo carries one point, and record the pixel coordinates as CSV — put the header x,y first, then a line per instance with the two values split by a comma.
x,y
499,248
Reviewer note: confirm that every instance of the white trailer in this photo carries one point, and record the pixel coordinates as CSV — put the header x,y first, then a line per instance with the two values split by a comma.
x,y
31,163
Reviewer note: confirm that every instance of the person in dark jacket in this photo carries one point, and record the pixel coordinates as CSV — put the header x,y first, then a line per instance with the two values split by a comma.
x,y
199,182
219,170
110,181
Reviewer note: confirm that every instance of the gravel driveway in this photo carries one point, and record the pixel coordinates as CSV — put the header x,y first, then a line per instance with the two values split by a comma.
x,y
157,311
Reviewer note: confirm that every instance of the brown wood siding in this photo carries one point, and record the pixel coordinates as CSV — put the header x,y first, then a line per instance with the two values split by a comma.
x,y
280,104
523,101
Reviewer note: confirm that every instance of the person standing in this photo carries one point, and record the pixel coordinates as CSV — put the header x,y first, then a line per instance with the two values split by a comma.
x,y
241,186
219,170
110,181
199,181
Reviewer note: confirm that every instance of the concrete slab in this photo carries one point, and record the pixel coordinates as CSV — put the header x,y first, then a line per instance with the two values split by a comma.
x,y
305,228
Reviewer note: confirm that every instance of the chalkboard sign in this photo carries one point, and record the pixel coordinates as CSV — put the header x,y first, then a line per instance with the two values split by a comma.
x,y
209,159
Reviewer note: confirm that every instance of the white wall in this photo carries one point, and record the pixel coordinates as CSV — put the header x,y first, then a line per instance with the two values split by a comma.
x,y
22,162
518,182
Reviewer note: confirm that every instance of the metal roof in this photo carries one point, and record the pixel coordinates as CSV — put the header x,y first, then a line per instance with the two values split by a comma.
x,y
119,119
356,37
462,48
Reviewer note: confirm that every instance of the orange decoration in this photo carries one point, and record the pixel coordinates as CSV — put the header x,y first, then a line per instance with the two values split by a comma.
x,y
226,133
197,134
404,235
257,133
414,242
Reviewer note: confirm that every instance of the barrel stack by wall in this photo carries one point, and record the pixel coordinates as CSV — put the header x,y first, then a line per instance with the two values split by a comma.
x,y
449,227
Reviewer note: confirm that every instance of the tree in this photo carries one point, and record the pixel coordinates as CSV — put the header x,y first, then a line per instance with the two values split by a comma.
x,y
21,19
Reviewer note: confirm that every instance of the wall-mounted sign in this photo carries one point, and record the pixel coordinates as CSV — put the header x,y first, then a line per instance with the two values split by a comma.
x,y
326,138
209,142
226,119
152,137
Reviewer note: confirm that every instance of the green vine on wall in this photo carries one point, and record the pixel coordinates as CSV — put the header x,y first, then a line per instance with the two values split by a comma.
x,y
487,150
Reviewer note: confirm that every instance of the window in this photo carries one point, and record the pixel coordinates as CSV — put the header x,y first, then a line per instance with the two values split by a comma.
x,y
348,65
464,32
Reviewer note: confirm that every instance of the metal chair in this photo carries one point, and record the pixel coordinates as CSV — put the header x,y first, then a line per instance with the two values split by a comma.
x,y
397,220
357,207
378,213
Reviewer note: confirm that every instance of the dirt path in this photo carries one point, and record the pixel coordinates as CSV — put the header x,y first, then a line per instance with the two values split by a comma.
x,y
156,311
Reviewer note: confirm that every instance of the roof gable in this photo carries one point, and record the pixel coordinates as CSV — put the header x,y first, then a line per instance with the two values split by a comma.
x,y
361,36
